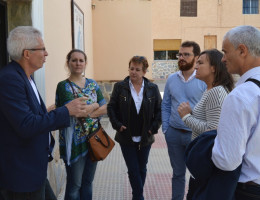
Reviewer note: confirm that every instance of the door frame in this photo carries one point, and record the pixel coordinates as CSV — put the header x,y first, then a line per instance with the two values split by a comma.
x,y
3,46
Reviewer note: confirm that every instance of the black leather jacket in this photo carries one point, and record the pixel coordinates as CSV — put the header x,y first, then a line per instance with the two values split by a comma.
x,y
118,110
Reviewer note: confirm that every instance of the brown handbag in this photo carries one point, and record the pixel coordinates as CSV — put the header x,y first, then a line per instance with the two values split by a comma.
x,y
98,141
99,144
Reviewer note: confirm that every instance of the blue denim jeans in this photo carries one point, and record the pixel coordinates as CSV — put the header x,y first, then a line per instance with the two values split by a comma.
x,y
43,193
177,141
247,192
136,160
80,176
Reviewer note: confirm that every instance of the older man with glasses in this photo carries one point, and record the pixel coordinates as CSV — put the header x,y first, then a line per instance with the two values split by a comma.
x,y
26,142
181,86
237,141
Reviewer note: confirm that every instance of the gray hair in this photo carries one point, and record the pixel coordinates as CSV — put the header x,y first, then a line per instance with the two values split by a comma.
x,y
21,38
247,35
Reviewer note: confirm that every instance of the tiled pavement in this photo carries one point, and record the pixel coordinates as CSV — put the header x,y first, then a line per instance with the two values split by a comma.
x,y
111,179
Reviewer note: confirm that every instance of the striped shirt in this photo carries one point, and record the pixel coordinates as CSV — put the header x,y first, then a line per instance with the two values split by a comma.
x,y
205,115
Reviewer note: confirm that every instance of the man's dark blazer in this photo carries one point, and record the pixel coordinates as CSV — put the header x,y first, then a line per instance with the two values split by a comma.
x,y
24,132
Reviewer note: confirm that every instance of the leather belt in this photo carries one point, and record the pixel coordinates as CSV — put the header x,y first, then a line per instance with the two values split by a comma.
x,y
249,183
182,130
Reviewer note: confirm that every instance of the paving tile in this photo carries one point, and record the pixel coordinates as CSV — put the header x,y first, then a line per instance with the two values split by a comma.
x,y
111,179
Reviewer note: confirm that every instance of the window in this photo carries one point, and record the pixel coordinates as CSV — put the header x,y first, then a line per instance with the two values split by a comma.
x,y
166,49
250,6
165,55
188,8
159,55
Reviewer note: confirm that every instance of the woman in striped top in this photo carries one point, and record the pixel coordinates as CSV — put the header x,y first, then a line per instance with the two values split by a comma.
x,y
205,115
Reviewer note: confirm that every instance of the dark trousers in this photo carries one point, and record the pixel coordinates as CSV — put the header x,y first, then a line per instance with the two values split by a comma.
x,y
247,192
136,160
193,186
1,197
43,193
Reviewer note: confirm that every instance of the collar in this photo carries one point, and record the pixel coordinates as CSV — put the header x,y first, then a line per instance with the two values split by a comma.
x,y
131,84
189,79
250,73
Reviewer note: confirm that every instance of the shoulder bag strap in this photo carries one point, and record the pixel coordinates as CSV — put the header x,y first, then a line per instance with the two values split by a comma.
x,y
257,82
74,93
80,119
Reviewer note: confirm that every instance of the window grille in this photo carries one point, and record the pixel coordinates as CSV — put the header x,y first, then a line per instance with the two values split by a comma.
x,y
250,6
188,8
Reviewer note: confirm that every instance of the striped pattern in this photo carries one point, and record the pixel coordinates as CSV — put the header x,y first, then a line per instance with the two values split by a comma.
x,y
205,115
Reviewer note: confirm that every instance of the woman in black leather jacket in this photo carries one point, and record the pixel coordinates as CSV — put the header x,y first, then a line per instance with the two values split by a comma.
x,y
134,111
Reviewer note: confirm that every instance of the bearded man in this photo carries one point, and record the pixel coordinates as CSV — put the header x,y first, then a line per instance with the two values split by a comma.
x,y
181,86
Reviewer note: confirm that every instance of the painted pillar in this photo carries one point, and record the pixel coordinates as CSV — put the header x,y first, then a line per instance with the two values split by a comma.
x,y
38,22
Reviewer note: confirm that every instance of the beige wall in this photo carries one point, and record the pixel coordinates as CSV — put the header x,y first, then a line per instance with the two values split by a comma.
x,y
122,29
58,41
116,30
214,17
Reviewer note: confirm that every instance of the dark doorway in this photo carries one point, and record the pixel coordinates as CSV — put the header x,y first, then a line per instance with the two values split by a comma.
x,y
3,34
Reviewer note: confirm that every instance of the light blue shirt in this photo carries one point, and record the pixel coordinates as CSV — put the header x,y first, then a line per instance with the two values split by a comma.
x,y
176,91
238,135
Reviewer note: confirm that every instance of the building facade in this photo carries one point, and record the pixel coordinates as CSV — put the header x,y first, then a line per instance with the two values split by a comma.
x,y
112,31
115,30
156,28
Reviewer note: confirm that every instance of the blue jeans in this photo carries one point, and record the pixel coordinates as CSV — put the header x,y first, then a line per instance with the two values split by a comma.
x,y
177,141
43,193
247,192
80,176
136,160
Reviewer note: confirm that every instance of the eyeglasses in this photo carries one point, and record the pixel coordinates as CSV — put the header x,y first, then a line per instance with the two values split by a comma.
x,y
184,55
38,49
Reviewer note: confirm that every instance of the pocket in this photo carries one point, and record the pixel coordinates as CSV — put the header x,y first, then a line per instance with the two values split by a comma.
x,y
123,132
122,98
166,132
151,99
123,104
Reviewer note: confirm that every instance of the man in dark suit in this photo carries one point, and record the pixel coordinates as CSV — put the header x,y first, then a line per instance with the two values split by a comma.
x,y
25,124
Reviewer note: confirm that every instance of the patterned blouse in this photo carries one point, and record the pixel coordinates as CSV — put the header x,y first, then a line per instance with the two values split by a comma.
x,y
73,139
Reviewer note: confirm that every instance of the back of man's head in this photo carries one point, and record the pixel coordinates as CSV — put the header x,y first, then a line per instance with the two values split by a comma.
x,y
247,35
196,47
21,38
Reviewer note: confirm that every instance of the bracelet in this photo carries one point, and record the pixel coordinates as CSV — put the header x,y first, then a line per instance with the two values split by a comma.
x,y
185,117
